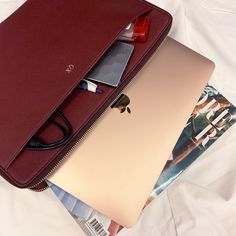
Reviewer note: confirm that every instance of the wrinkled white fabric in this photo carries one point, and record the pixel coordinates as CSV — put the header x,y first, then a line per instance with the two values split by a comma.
x,y
23,212
202,201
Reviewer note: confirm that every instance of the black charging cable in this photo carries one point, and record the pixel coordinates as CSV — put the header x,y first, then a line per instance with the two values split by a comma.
x,y
36,144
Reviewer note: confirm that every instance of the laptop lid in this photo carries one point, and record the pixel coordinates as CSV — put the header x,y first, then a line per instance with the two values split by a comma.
x,y
115,166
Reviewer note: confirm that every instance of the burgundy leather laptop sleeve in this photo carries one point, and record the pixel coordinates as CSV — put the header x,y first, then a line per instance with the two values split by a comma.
x,y
38,43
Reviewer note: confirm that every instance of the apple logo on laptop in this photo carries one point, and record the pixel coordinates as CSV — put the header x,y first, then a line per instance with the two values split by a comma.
x,y
122,104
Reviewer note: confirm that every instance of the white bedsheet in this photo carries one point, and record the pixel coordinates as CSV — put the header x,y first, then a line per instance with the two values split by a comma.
x,y
203,200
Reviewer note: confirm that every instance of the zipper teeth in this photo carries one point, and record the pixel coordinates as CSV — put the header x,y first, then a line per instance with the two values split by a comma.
x,y
38,190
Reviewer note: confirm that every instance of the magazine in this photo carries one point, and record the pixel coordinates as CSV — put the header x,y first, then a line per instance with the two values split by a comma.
x,y
211,117
91,221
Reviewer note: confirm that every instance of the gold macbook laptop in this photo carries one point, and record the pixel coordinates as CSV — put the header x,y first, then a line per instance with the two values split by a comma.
x,y
114,168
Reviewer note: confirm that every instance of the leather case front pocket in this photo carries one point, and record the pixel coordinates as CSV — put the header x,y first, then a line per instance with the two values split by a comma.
x,y
38,43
